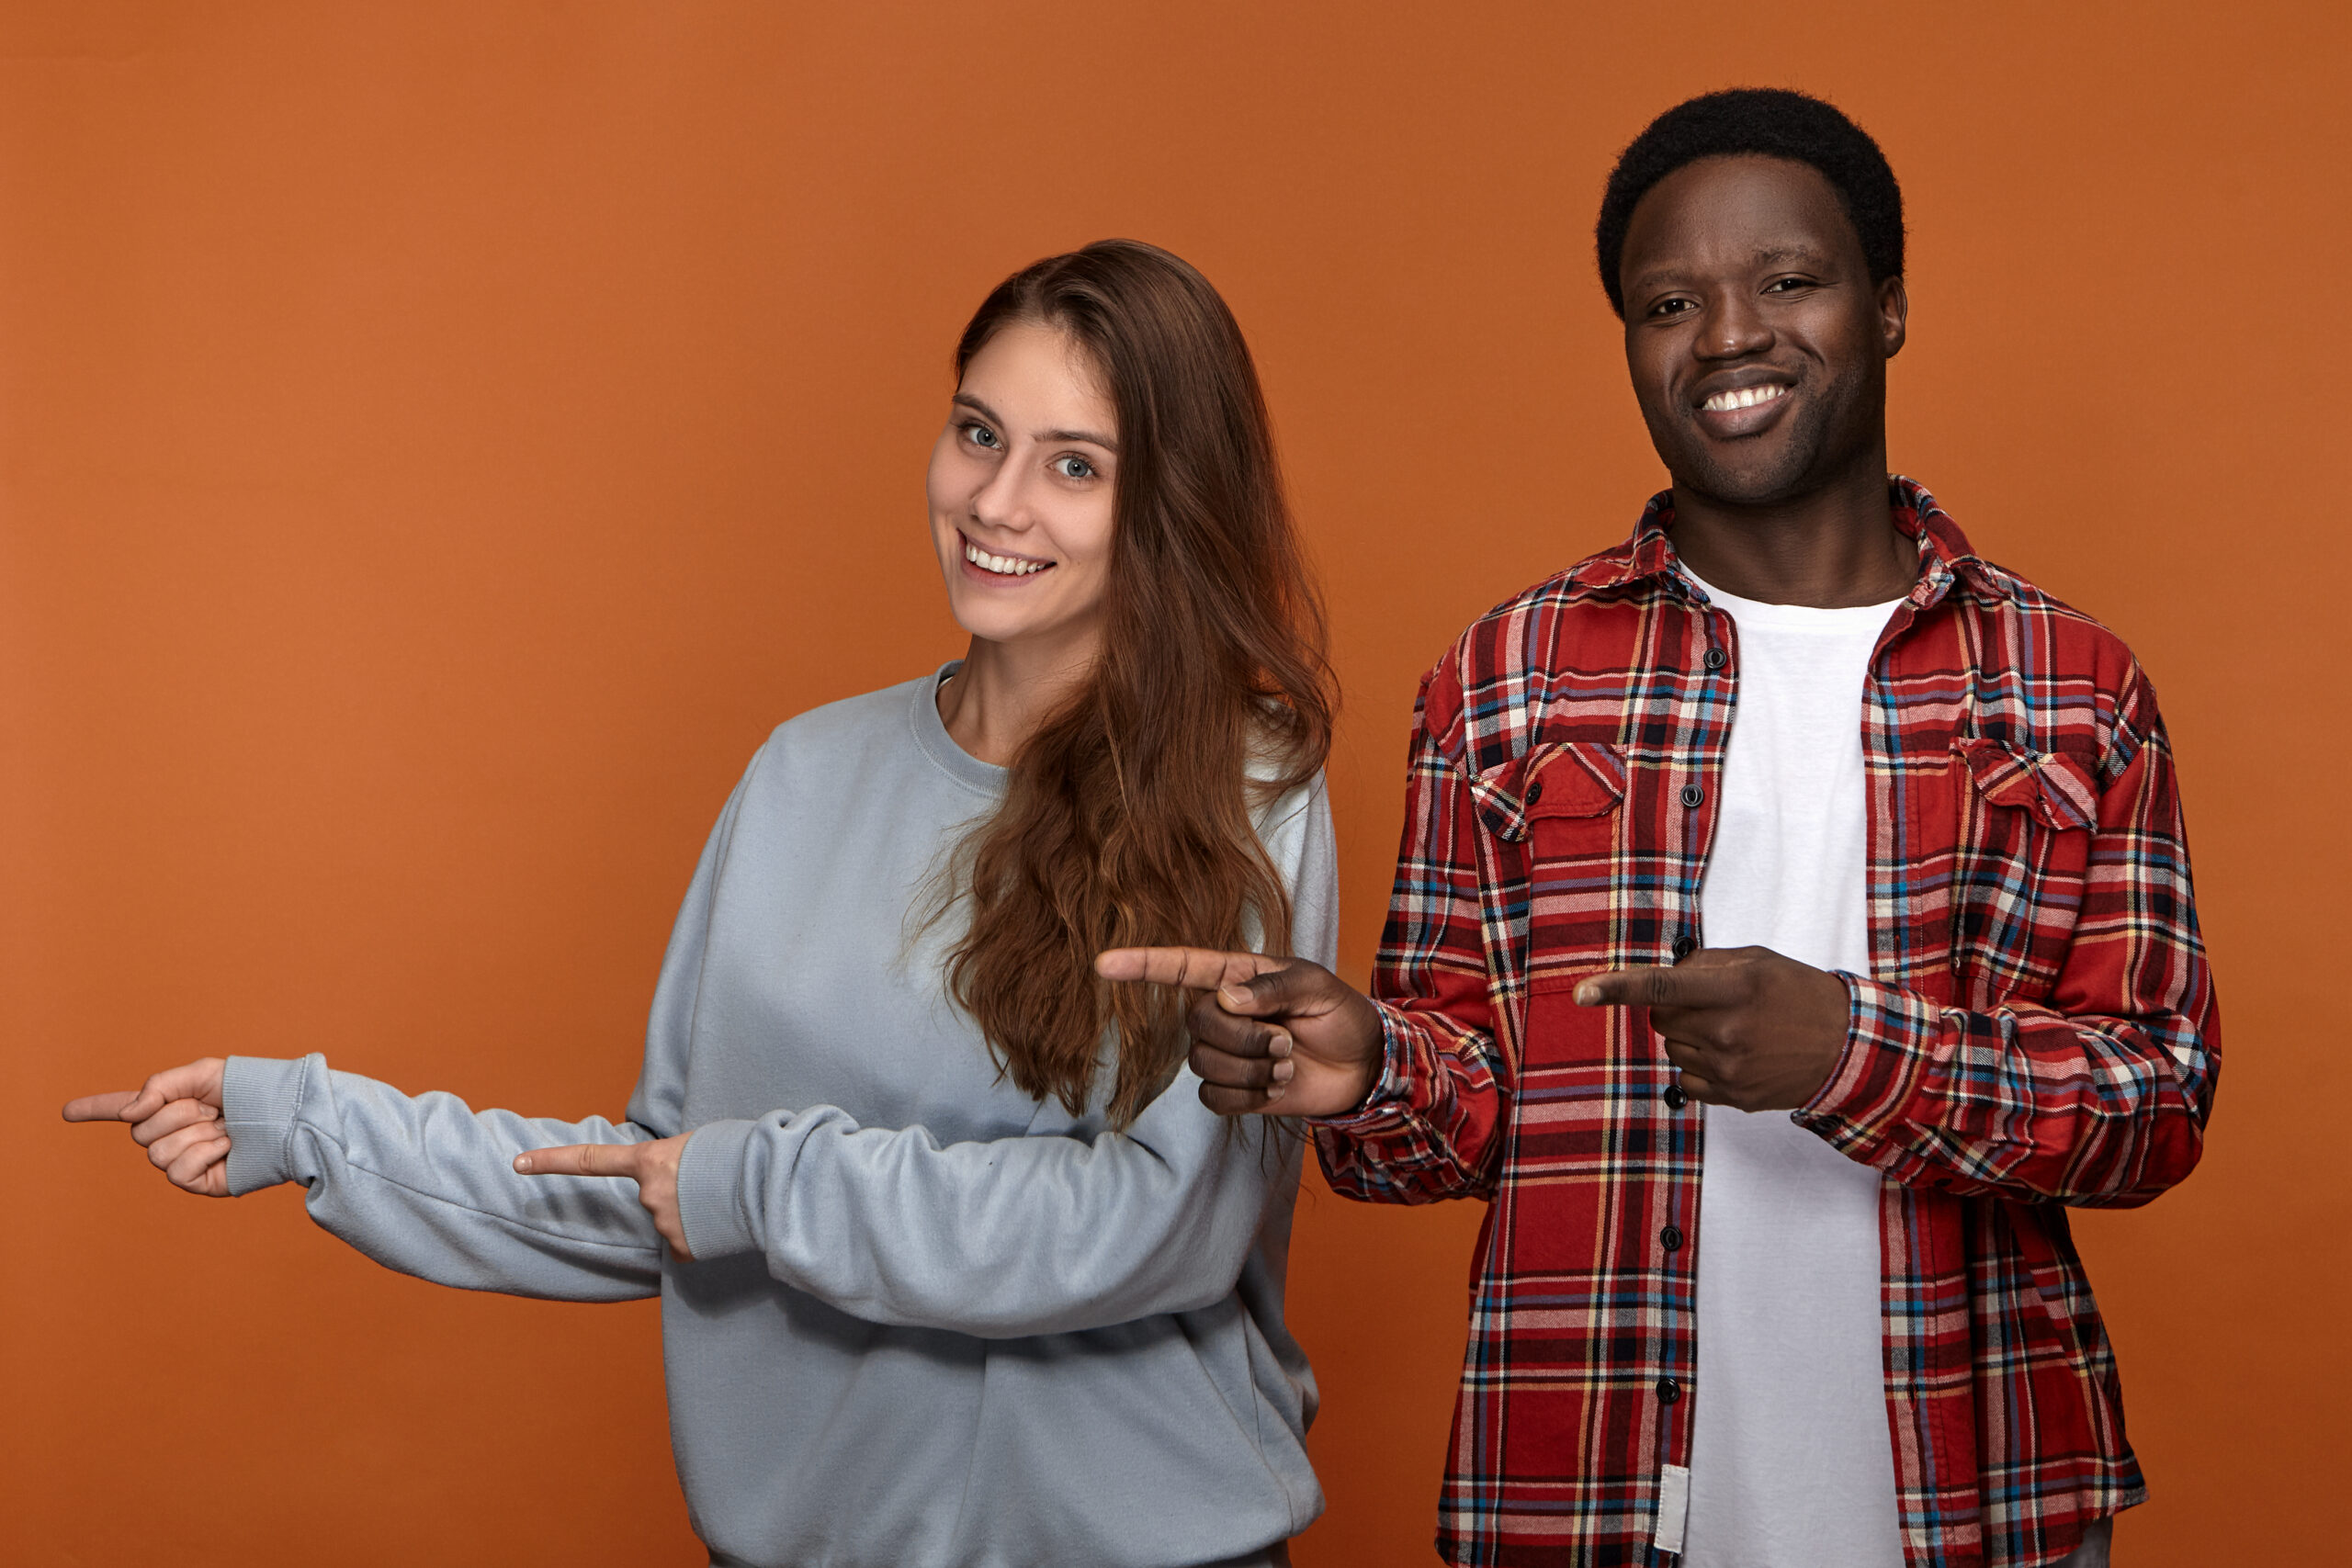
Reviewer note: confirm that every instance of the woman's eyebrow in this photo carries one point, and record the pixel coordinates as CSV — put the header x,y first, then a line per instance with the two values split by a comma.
x,y
966,400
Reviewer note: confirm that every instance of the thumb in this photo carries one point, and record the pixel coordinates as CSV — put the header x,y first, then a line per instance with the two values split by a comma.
x,y
1296,989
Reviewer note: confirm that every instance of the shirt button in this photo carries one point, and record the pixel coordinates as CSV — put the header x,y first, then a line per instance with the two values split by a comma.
x,y
1535,791
1670,1238
1692,795
1674,1096
1716,658
1668,1391
1684,946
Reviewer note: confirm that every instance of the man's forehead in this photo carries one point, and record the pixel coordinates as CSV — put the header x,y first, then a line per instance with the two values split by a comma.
x,y
1750,210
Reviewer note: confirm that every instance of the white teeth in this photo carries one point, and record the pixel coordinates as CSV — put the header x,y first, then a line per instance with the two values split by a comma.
x,y
1742,398
1003,566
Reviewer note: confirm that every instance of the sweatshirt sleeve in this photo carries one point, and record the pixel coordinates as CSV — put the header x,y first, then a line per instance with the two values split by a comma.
x,y
425,1184
1014,1237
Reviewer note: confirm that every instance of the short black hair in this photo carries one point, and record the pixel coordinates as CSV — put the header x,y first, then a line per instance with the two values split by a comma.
x,y
1776,123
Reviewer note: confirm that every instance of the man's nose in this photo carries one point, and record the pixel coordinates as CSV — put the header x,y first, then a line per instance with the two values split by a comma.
x,y
1733,327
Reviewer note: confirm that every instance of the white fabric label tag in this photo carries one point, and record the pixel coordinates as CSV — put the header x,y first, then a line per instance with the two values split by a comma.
x,y
1673,1503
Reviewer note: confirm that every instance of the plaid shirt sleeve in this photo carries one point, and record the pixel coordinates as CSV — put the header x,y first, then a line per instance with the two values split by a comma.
x,y
2096,1095
1430,1127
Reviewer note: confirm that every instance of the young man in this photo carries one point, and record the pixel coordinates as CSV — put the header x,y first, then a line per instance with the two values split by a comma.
x,y
1793,918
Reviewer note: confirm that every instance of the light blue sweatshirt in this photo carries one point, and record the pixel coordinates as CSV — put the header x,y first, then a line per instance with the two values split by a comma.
x,y
929,1320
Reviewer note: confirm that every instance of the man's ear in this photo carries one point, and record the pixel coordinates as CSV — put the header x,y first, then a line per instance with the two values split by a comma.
x,y
1894,314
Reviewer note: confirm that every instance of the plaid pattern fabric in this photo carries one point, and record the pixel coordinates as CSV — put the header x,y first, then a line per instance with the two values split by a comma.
x,y
2038,1030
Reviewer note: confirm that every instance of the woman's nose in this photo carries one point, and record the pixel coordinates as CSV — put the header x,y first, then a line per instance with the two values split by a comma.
x,y
1001,502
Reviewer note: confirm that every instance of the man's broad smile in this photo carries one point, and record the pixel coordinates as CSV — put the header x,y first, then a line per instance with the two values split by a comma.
x,y
1746,407
1745,398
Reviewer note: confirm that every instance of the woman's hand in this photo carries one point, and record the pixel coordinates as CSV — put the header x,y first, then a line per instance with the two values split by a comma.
x,y
653,1166
176,1117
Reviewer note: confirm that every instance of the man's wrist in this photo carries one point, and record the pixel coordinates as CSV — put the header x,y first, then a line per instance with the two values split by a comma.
x,y
1384,1091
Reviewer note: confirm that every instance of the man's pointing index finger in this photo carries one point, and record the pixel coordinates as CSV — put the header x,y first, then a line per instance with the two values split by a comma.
x,y
1657,986
1194,969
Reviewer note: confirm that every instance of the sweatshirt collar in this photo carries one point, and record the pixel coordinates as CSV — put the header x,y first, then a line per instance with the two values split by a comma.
x,y
931,734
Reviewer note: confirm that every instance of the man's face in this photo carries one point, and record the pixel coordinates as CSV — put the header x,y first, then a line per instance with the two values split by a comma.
x,y
1756,343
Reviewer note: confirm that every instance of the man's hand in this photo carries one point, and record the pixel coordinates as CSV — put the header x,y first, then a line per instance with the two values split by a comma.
x,y
1749,1028
176,1117
1279,1036
653,1166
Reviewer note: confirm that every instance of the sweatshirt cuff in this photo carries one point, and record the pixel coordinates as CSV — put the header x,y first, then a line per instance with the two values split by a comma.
x,y
259,1095
710,1191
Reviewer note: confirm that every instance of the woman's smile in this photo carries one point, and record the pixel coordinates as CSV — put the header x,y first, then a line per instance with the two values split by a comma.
x,y
1005,568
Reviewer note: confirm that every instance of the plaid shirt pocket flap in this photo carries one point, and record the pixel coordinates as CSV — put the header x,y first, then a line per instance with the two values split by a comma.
x,y
2058,790
1560,778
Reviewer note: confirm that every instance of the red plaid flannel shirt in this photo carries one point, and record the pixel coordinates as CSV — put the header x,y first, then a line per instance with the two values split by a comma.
x,y
2038,1030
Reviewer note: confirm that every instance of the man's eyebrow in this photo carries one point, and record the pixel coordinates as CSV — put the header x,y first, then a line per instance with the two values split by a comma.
x,y
1653,277
1770,255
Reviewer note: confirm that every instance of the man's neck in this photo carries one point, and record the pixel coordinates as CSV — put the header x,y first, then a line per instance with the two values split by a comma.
x,y
1832,548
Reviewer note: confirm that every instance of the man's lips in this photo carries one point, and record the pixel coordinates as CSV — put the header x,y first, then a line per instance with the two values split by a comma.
x,y
1732,411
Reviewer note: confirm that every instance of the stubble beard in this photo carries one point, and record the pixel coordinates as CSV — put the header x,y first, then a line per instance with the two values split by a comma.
x,y
1804,464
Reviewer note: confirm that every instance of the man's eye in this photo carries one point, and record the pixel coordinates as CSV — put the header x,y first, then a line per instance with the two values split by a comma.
x,y
980,436
1671,306
1073,468
1784,285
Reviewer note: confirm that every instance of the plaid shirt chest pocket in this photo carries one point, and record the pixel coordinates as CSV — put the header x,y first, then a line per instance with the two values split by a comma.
x,y
1557,812
2023,845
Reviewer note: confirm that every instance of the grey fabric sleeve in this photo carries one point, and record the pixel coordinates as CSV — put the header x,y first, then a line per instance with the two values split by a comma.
x,y
426,1184
1012,1236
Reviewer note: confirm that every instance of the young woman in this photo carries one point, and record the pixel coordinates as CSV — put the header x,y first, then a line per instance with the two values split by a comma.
x,y
954,1267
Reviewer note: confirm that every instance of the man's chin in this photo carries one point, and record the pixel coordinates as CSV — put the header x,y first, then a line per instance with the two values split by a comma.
x,y
1744,488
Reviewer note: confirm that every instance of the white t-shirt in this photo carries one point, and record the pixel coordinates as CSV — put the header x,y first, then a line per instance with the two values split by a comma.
x,y
1792,1464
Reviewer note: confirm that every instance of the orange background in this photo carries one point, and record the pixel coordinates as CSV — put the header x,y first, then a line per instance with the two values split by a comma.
x,y
437,441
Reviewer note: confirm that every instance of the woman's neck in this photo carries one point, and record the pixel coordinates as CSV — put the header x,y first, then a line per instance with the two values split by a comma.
x,y
1004,691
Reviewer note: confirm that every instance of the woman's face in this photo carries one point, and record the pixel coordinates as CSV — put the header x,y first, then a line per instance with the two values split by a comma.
x,y
1020,491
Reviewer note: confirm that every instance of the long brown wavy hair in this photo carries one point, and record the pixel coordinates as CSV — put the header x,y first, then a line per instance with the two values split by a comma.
x,y
1127,821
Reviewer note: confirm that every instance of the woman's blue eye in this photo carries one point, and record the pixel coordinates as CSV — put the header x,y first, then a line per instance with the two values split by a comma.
x,y
980,436
1074,468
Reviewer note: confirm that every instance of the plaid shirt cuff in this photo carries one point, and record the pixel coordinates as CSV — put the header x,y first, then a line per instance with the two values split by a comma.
x,y
1389,1104
1890,1036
